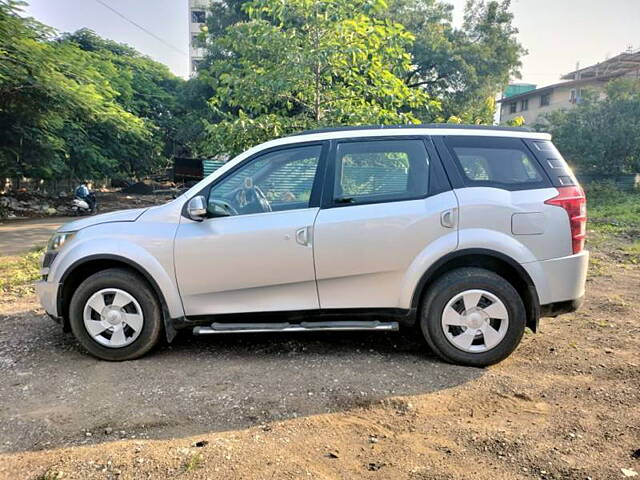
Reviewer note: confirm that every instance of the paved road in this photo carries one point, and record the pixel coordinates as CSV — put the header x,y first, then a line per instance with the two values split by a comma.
x,y
20,236
52,393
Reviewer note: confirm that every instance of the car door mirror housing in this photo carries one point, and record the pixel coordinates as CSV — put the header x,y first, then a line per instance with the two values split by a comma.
x,y
197,208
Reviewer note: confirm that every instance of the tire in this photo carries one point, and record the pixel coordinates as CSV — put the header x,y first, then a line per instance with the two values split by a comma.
x,y
133,342
494,326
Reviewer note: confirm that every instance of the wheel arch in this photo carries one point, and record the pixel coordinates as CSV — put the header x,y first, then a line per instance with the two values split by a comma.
x,y
491,260
87,266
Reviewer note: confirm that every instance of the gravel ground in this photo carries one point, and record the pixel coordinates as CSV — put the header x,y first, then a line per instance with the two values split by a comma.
x,y
564,406
52,394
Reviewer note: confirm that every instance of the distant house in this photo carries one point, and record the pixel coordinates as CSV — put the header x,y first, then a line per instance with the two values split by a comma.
x,y
532,104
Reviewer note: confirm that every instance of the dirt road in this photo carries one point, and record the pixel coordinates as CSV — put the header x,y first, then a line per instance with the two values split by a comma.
x,y
566,405
20,236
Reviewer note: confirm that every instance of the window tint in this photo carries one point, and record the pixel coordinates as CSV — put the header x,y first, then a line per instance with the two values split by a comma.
x,y
275,181
381,171
497,162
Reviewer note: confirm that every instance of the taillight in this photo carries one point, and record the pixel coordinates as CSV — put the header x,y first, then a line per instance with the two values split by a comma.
x,y
573,200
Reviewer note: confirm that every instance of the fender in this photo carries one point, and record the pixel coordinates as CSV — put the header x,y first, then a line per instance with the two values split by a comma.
x,y
166,315
462,253
102,243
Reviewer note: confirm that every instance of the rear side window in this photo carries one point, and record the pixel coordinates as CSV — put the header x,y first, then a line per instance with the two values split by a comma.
x,y
496,162
552,161
384,170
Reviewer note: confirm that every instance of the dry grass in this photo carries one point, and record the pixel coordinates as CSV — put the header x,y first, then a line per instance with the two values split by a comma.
x,y
18,275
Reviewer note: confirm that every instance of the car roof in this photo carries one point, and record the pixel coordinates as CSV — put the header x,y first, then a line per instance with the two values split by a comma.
x,y
443,129
443,126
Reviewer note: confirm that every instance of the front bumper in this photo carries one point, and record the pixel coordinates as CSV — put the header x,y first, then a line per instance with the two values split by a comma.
x,y
48,296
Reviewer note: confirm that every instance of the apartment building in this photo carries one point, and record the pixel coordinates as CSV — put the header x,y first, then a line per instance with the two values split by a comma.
x,y
198,11
532,104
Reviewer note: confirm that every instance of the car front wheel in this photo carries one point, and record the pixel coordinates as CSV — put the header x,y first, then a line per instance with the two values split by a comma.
x,y
115,315
472,316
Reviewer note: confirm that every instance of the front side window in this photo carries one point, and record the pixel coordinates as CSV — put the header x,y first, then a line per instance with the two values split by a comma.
x,y
385,170
276,181
513,107
525,105
495,162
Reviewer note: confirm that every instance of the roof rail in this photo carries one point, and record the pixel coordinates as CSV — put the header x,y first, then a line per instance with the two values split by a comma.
x,y
455,126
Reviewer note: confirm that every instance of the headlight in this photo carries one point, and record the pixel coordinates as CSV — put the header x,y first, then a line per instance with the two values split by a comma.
x,y
58,240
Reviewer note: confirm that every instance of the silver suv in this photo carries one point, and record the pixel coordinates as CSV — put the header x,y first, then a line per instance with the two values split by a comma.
x,y
469,234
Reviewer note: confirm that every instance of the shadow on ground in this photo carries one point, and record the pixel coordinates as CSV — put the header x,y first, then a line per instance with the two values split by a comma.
x,y
53,395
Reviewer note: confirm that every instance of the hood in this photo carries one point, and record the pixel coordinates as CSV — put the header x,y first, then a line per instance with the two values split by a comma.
x,y
119,216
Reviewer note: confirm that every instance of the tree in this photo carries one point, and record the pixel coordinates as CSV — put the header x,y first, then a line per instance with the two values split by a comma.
x,y
78,105
464,68
309,63
144,88
600,135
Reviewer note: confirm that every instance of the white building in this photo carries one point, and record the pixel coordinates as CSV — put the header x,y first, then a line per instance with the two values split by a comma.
x,y
198,11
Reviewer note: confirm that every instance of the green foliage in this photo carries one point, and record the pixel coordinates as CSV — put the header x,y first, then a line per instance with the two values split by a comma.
x,y
600,135
463,68
18,274
309,63
516,122
78,106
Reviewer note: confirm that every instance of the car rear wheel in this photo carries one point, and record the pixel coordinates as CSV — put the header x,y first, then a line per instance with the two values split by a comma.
x,y
115,315
472,316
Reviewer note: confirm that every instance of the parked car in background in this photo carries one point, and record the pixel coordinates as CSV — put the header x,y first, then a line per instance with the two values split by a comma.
x,y
469,234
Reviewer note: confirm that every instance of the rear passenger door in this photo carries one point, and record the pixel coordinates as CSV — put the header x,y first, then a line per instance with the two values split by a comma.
x,y
384,203
501,189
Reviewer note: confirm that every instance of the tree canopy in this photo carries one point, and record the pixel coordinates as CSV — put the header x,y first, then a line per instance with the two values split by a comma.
x,y
464,68
308,63
78,105
438,73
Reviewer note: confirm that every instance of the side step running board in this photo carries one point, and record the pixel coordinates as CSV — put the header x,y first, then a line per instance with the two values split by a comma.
x,y
217,328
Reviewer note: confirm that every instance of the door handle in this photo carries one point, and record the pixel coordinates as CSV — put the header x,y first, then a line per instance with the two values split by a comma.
x,y
448,218
303,236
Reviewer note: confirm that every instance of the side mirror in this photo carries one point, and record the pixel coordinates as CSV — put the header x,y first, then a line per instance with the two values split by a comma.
x,y
197,208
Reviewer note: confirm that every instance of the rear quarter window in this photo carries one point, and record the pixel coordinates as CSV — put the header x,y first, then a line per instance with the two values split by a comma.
x,y
496,162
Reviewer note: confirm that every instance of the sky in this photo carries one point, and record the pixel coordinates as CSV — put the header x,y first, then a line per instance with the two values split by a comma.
x,y
556,33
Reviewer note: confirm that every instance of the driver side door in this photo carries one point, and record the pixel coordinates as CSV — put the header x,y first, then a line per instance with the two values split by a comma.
x,y
259,256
